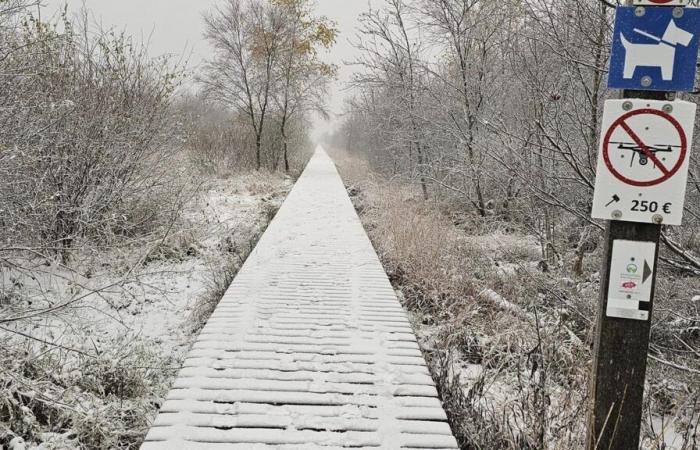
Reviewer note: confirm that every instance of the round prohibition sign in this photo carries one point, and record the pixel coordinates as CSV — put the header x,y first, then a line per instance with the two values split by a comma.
x,y
666,172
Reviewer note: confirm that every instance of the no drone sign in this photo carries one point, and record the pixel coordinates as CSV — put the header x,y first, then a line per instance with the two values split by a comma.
x,y
643,161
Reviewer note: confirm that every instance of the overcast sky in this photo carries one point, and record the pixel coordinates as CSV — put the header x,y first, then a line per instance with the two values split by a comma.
x,y
175,27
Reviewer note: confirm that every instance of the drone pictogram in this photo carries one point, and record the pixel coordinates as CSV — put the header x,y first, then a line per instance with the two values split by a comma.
x,y
637,150
630,132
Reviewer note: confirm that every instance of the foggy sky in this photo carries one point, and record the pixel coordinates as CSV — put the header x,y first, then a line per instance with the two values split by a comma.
x,y
175,27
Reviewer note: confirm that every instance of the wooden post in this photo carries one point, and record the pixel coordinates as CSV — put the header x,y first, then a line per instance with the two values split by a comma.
x,y
622,345
620,356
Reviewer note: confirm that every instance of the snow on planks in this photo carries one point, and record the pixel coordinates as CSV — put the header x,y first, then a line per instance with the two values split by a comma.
x,y
309,348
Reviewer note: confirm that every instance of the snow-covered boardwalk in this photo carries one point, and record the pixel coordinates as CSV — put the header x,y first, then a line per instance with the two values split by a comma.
x,y
309,348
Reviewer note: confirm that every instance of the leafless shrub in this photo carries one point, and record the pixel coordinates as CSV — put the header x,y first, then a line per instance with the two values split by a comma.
x,y
85,140
106,400
216,143
84,136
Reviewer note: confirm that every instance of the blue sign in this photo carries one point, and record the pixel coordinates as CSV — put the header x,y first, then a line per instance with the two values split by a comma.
x,y
655,48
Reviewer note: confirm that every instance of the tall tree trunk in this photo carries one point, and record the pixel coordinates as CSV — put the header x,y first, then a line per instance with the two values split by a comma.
x,y
258,150
423,184
285,145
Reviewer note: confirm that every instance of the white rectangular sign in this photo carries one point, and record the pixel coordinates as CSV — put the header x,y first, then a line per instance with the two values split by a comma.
x,y
643,161
631,278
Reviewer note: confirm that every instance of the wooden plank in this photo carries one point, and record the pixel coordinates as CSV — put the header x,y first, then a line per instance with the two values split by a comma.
x,y
309,348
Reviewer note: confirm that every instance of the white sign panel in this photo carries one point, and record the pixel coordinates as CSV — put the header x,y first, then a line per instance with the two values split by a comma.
x,y
661,2
643,161
631,277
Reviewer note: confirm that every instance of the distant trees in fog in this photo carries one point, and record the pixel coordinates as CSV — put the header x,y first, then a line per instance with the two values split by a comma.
x,y
496,104
266,68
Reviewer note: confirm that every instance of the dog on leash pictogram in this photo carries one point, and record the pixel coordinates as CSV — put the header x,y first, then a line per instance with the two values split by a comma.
x,y
654,48
661,55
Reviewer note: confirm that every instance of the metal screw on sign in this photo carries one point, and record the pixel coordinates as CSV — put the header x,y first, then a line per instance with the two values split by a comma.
x,y
678,12
627,106
646,81
640,11
657,219
617,214
668,108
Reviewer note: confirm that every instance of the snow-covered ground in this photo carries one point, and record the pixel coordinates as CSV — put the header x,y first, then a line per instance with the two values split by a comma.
x,y
120,301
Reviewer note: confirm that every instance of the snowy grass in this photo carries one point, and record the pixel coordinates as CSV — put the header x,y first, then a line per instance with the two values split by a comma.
x,y
508,338
101,401
92,374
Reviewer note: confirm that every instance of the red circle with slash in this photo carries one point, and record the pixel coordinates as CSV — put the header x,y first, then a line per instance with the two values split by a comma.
x,y
666,173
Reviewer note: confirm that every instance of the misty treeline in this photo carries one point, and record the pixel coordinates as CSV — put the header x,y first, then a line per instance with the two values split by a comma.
x,y
96,135
497,104
267,69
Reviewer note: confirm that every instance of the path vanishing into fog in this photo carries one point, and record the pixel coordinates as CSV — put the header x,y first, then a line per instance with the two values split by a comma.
x,y
309,348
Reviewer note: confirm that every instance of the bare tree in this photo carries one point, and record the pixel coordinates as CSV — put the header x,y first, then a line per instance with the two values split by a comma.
x,y
390,62
302,78
246,40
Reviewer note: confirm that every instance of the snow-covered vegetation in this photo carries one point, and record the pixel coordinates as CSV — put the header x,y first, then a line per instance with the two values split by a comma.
x,y
88,352
508,337
479,121
132,190
130,194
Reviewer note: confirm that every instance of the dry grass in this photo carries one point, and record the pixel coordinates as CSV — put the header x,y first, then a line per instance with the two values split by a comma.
x,y
96,402
509,344
218,281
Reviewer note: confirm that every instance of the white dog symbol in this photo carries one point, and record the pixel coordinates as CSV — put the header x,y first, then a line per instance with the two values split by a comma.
x,y
662,55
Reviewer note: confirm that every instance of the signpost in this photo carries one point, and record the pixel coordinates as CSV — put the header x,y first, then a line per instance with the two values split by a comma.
x,y
641,179
622,336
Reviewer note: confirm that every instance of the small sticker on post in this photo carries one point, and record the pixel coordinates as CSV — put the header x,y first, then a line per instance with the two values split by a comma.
x,y
631,279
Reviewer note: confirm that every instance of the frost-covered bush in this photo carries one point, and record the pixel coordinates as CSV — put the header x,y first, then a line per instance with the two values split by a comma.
x,y
508,339
215,143
102,402
85,136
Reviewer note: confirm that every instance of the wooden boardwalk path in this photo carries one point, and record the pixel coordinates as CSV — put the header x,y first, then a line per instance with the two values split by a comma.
x,y
309,348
